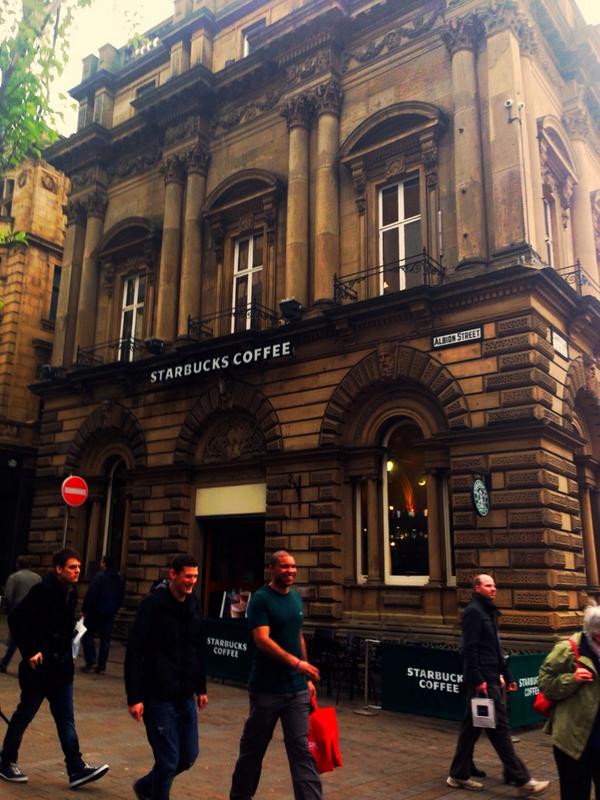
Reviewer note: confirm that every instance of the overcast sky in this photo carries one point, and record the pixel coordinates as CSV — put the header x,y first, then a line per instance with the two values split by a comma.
x,y
113,21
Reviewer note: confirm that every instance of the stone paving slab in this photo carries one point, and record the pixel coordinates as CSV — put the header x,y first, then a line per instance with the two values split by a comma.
x,y
387,756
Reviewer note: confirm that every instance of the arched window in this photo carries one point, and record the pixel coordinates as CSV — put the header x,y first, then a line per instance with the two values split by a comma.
x,y
404,496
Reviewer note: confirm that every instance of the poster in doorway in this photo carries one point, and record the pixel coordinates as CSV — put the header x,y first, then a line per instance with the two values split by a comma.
x,y
235,604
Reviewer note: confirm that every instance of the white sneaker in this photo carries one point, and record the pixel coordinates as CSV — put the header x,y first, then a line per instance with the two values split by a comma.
x,y
532,787
469,783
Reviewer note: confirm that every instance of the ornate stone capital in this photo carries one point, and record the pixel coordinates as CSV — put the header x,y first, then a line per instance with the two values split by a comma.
x,y
95,204
298,111
173,168
505,15
75,211
197,159
462,33
328,98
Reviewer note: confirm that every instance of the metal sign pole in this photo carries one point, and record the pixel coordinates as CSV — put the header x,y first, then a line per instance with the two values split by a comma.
x,y
368,710
64,536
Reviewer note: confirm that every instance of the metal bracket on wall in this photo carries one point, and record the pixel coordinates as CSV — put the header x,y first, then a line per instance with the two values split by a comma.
x,y
296,483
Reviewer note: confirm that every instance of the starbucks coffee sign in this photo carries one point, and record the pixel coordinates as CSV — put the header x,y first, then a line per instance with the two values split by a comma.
x,y
245,357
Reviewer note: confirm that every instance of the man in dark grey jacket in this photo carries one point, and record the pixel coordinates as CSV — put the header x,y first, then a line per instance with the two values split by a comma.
x,y
486,673
17,587
165,678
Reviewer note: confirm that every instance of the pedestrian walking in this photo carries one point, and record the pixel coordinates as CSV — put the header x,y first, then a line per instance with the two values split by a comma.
x,y
574,685
43,625
165,677
102,601
486,673
17,586
280,686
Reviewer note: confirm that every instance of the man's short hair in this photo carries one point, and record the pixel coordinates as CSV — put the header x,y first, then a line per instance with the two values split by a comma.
x,y
23,562
181,561
274,559
109,561
476,581
60,558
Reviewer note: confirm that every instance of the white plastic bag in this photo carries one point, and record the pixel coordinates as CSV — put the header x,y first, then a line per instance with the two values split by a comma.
x,y
483,712
80,629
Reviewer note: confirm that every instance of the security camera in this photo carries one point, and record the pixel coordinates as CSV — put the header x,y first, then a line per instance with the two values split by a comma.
x,y
508,103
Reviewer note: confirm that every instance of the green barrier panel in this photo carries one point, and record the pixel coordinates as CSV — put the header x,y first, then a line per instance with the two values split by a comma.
x,y
525,672
422,680
428,681
228,649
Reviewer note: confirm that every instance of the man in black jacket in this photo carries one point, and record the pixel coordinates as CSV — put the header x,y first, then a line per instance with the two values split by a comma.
x,y
165,678
486,673
43,625
102,601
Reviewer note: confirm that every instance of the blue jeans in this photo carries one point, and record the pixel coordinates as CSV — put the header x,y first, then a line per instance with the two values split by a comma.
x,y
60,698
172,730
102,627
265,710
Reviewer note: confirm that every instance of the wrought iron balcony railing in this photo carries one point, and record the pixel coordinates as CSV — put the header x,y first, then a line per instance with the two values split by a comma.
x,y
577,277
397,276
253,317
128,349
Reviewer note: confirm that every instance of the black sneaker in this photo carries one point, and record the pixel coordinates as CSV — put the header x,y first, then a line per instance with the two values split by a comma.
x,y
137,790
11,772
87,667
87,774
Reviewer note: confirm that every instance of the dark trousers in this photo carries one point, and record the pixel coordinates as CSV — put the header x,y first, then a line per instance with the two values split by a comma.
x,y
101,627
499,736
60,698
172,730
265,710
576,775
11,647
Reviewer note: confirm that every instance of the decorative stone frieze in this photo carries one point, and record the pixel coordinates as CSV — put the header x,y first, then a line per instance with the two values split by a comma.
x,y
394,39
518,378
539,517
238,115
516,343
526,478
309,67
81,180
535,538
298,111
129,166
233,439
532,599
525,396
188,129
528,322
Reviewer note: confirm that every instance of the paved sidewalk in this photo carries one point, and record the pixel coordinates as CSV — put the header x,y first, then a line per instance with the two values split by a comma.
x,y
386,756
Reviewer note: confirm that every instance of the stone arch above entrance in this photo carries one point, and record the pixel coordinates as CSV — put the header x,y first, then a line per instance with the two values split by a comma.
x,y
108,420
390,363
227,395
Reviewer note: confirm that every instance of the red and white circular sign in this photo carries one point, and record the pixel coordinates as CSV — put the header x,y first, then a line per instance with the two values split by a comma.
x,y
74,490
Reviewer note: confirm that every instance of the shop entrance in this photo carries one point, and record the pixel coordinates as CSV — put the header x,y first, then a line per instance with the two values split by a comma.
x,y
234,562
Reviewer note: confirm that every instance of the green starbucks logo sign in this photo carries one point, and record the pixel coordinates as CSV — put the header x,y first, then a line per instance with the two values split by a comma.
x,y
480,497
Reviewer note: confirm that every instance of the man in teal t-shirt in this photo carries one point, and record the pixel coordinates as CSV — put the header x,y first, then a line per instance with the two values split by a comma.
x,y
280,686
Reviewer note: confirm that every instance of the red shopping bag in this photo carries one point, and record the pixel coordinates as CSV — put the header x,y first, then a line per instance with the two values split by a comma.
x,y
323,738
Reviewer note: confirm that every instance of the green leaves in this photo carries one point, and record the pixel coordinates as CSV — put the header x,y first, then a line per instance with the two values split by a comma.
x,y
33,53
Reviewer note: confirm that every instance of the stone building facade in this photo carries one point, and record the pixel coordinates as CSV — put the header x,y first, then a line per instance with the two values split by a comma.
x,y
31,202
331,283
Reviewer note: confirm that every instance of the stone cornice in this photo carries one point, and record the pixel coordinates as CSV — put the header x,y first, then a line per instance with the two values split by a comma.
x,y
193,88
84,147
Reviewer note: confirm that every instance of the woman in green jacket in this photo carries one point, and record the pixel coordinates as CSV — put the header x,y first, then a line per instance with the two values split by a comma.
x,y
574,723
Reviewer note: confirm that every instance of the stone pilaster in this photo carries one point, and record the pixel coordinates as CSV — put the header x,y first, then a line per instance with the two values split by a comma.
x,y
190,286
328,101
66,313
298,113
95,204
173,169
502,23
461,37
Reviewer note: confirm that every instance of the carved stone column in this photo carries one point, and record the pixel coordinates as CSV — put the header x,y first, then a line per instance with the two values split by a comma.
x,y
173,169
70,279
298,113
461,37
589,542
328,100
190,286
579,129
88,291
508,194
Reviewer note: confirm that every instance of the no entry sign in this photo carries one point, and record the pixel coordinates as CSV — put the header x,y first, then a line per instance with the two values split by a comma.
x,y
74,490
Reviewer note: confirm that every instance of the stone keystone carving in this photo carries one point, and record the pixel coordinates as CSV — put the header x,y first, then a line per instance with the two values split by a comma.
x,y
328,98
298,111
